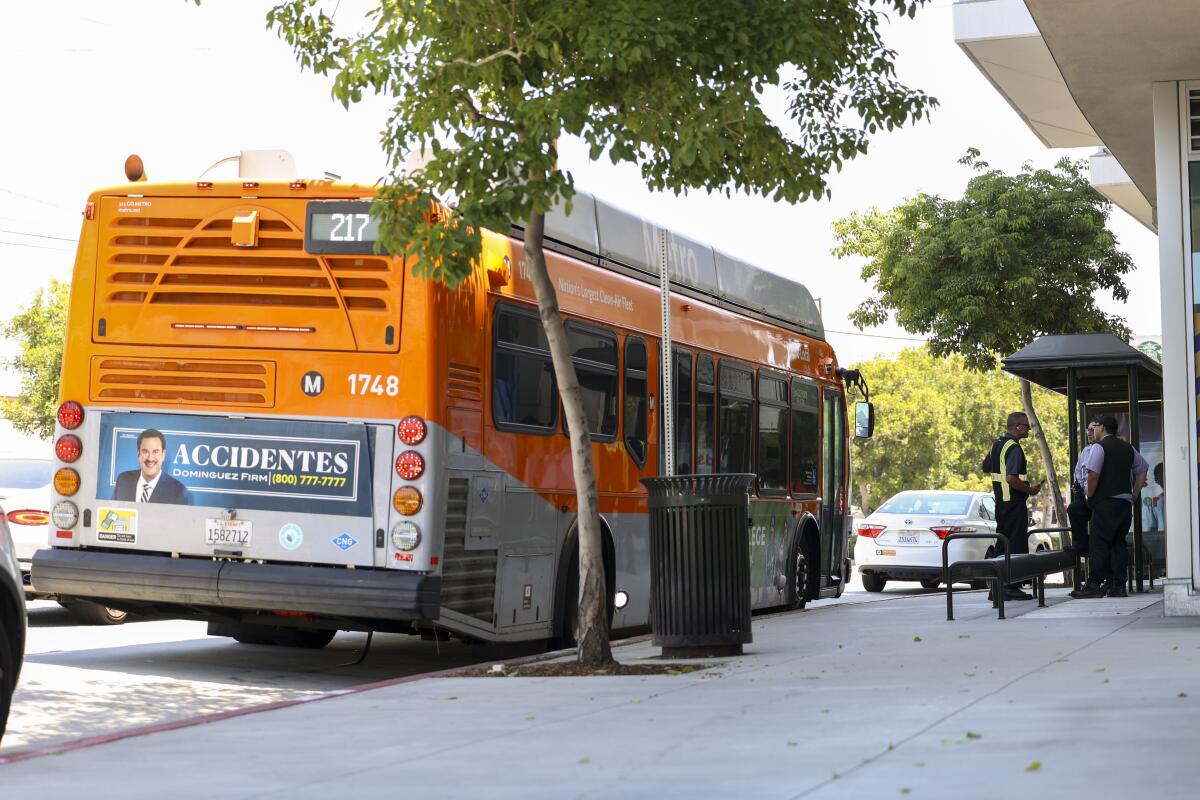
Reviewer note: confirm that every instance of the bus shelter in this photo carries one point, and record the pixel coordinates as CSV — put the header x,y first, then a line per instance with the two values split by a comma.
x,y
1100,373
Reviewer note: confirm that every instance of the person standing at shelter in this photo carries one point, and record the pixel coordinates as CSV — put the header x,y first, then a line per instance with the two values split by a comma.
x,y
1078,512
1005,463
1116,473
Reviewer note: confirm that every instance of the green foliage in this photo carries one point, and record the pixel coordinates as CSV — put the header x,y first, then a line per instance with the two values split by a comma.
x,y
39,329
488,87
935,420
1017,257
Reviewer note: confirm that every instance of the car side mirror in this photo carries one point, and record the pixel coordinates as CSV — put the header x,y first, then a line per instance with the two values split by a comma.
x,y
864,420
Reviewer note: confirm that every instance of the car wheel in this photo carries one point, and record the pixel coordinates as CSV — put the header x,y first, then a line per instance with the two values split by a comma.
x,y
8,674
798,588
931,583
86,613
873,582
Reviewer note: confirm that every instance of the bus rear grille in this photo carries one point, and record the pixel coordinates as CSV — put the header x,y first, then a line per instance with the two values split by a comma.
x,y
468,576
190,381
465,385
172,267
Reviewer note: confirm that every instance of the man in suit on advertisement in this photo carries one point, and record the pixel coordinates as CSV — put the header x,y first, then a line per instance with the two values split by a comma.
x,y
149,484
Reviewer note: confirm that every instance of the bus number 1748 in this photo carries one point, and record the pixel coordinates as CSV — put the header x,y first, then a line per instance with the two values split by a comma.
x,y
363,383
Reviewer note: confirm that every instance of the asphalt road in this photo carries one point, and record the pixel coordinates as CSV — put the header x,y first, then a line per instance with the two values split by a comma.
x,y
86,681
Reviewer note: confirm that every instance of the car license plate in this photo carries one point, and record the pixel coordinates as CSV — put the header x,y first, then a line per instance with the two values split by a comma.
x,y
908,538
227,532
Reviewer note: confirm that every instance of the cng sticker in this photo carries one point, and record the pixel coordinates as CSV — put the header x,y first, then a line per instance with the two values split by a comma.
x,y
117,525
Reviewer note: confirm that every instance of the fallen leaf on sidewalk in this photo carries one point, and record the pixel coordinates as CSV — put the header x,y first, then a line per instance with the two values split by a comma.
x,y
974,735
1183,694
916,638
1034,766
585,760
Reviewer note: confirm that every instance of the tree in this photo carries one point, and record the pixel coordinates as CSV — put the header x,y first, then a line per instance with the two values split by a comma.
x,y
486,88
935,420
1017,257
39,330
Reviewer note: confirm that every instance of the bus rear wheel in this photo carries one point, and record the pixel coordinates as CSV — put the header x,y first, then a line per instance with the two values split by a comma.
x,y
271,635
798,588
86,613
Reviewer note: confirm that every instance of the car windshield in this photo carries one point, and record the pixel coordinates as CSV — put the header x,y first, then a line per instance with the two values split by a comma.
x,y
19,474
946,505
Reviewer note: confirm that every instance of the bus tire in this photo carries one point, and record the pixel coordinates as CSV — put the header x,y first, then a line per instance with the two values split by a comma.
x,y
873,582
797,594
87,613
569,603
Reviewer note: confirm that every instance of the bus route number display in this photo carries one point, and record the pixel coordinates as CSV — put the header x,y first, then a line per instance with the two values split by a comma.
x,y
341,226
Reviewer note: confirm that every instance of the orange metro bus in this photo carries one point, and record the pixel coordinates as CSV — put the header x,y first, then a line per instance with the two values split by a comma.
x,y
266,425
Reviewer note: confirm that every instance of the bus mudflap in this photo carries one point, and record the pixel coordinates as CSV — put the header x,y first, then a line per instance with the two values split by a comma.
x,y
330,591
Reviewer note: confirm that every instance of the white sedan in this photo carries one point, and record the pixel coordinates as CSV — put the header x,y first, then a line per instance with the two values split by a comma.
x,y
25,503
902,539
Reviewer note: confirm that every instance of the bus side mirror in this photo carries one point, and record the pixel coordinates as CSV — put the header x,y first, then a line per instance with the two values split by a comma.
x,y
864,420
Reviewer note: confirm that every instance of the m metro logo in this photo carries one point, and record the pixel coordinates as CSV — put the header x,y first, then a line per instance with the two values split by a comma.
x,y
313,383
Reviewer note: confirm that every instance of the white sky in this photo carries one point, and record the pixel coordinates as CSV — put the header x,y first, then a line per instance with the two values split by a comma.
x,y
88,83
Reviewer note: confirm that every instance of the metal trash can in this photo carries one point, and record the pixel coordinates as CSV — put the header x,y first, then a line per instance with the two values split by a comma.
x,y
700,564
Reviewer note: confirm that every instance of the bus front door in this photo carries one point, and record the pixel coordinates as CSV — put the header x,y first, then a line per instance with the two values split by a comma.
x,y
833,469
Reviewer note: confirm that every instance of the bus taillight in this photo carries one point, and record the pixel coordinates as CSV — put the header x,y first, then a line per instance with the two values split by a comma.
x,y
68,448
410,465
407,500
65,514
70,415
411,430
66,481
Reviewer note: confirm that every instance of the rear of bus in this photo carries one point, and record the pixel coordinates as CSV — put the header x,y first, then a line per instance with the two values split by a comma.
x,y
237,440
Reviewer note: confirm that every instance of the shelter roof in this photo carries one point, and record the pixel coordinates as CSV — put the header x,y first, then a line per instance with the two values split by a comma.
x,y
1101,364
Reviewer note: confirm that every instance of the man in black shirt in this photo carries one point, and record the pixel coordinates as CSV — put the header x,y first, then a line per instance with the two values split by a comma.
x,y
1005,464
1116,473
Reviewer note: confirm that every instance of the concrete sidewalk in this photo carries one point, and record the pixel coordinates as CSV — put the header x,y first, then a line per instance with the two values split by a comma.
x,y
882,699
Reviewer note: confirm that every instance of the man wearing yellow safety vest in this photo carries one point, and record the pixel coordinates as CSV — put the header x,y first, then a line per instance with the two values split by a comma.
x,y
1005,465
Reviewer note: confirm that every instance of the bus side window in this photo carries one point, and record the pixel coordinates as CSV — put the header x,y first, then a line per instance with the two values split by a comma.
x,y
735,404
682,418
524,394
635,400
806,436
706,414
594,353
772,434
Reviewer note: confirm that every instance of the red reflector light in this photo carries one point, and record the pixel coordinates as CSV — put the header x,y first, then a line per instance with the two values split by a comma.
x,y
871,531
942,531
411,430
203,184
28,516
63,534
70,415
68,448
410,465
89,211
433,560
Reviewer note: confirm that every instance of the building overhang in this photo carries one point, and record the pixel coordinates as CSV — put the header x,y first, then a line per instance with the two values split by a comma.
x,y
1074,68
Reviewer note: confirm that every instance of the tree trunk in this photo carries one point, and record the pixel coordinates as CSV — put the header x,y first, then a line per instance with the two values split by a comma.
x,y
591,628
1060,508
864,491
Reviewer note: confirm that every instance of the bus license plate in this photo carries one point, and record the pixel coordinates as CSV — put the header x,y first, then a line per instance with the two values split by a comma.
x,y
227,532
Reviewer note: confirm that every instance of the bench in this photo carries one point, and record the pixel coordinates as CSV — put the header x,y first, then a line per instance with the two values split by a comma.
x,y
1005,569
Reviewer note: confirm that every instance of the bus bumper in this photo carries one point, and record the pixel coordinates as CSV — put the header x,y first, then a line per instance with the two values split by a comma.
x,y
332,591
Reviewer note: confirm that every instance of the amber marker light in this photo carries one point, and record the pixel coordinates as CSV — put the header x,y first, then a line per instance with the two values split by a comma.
x,y
66,481
407,500
410,465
